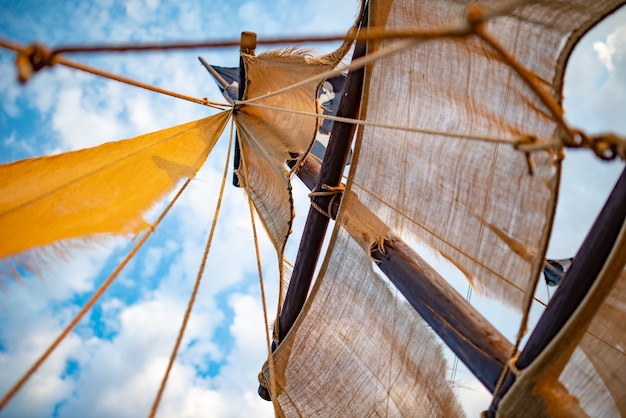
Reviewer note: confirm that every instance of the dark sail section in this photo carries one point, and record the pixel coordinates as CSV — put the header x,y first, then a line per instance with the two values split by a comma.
x,y
227,80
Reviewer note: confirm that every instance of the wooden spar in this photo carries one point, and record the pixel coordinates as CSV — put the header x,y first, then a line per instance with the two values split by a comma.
x,y
581,275
247,46
473,339
330,174
467,333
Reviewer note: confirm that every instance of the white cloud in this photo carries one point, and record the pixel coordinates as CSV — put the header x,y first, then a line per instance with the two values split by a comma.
x,y
605,52
9,91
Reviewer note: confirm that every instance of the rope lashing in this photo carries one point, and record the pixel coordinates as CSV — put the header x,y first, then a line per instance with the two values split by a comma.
x,y
32,59
606,146
327,191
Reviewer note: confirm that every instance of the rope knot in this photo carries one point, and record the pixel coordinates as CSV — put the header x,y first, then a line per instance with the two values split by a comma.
x,y
475,15
32,59
606,146
327,191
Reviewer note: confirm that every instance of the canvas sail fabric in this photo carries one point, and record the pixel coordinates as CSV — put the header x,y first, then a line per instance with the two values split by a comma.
x,y
583,370
270,139
359,349
474,202
100,190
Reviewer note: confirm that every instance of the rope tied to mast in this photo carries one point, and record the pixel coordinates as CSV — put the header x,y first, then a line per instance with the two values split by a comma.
x,y
327,191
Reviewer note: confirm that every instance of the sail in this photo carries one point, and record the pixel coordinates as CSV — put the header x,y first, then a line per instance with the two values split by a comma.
x,y
271,139
443,171
360,349
583,368
473,201
78,194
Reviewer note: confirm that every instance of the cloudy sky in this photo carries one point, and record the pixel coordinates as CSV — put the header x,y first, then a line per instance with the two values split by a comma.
x,y
112,364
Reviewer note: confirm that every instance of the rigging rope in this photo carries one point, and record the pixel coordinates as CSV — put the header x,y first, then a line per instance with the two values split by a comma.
x,y
90,303
196,286
503,8
521,143
327,191
273,392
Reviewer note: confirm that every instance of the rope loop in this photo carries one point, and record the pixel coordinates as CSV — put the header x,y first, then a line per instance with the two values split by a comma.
x,y
32,59
606,146
327,191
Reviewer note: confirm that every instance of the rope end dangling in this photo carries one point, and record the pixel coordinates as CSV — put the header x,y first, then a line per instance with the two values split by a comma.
x,y
32,59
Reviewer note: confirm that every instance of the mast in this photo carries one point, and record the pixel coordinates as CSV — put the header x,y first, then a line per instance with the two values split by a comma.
x,y
247,46
576,283
477,343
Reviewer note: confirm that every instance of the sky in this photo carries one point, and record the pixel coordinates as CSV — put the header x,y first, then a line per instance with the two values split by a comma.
x,y
112,364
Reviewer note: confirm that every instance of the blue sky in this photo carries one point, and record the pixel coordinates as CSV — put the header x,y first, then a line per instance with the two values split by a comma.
x,y
112,364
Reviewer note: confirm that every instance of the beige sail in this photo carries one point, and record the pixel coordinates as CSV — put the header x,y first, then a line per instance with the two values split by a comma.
x,y
453,188
360,349
100,190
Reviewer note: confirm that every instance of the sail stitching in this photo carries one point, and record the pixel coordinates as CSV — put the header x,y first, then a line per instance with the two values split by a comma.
x,y
522,143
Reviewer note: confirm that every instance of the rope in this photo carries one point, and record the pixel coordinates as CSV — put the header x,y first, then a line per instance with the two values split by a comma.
x,y
196,286
520,142
35,57
364,35
332,191
89,304
503,8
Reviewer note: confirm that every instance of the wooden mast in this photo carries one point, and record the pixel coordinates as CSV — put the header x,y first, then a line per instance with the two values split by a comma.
x,y
330,174
576,283
247,46
477,343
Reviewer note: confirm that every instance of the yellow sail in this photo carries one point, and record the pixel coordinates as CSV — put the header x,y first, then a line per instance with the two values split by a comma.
x,y
104,189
